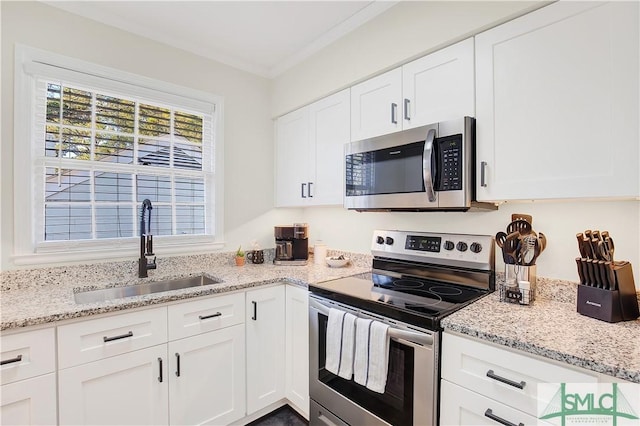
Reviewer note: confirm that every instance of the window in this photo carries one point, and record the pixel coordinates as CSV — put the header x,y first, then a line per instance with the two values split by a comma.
x,y
100,142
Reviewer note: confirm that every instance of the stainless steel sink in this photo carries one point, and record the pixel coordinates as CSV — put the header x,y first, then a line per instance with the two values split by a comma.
x,y
113,293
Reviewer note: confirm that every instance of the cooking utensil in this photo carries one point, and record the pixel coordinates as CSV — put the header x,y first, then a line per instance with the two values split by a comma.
x,y
510,248
500,238
594,248
586,243
591,272
520,216
529,250
613,285
519,225
543,241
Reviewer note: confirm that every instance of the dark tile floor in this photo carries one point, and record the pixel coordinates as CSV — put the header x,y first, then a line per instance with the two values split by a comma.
x,y
283,416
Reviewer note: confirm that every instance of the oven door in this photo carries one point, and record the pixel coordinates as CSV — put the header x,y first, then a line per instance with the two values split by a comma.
x,y
411,392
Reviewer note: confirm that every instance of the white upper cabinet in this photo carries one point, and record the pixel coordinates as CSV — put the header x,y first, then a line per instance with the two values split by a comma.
x,y
376,106
309,153
557,104
437,87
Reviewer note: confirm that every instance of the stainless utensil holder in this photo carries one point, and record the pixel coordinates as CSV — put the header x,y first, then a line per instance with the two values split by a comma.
x,y
611,305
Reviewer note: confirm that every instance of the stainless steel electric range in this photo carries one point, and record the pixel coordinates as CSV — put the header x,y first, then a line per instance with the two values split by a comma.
x,y
416,280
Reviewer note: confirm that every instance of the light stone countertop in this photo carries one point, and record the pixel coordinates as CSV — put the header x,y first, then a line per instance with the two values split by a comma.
x,y
42,296
552,328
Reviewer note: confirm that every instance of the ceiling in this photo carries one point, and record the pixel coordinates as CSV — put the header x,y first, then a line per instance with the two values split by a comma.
x,y
262,37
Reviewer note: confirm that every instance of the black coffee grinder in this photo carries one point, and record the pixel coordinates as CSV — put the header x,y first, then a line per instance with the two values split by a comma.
x,y
292,244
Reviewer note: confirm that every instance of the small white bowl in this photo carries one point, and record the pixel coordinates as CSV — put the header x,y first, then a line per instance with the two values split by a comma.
x,y
334,262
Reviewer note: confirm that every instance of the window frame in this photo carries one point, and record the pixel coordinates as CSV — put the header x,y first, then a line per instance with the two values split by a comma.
x,y
30,63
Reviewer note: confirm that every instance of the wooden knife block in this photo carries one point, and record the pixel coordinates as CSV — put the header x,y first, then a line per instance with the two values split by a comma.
x,y
611,305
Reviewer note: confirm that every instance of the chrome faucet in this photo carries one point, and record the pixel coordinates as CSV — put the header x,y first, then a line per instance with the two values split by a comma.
x,y
146,242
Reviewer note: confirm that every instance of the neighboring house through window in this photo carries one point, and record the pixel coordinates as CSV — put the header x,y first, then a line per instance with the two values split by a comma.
x,y
98,143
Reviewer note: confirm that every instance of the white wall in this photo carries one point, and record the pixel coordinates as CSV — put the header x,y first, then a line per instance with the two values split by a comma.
x,y
407,30
248,151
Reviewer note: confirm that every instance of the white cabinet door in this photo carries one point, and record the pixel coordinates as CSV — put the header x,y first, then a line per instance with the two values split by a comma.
x,y
265,310
27,354
557,104
329,121
122,390
207,378
439,86
376,107
297,346
29,402
292,158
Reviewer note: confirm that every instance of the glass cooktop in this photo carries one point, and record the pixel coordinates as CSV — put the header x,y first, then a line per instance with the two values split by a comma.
x,y
413,300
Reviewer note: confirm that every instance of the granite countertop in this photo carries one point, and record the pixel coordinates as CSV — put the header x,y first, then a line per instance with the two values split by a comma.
x,y
42,296
553,329
550,327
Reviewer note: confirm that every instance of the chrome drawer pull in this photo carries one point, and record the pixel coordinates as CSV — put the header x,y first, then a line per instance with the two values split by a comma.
x,y
494,376
489,413
122,336
204,317
11,360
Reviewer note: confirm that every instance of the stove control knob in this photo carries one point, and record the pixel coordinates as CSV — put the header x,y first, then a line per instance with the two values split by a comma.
x,y
462,246
380,240
476,247
389,241
448,245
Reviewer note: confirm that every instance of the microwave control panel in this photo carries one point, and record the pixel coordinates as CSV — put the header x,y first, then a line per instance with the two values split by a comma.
x,y
450,162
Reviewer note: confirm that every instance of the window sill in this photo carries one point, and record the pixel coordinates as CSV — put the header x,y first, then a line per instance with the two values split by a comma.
x,y
128,251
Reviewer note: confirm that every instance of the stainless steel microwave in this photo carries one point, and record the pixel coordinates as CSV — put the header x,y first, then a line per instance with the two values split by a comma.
x,y
420,169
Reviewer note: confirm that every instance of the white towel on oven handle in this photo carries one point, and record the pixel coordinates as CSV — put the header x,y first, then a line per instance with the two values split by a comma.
x,y
372,354
340,343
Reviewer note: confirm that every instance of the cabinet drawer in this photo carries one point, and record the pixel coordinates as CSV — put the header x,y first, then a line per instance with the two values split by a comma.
x,y
460,406
27,354
202,315
470,363
95,339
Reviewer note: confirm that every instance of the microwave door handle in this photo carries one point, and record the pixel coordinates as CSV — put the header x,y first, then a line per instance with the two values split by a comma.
x,y
427,171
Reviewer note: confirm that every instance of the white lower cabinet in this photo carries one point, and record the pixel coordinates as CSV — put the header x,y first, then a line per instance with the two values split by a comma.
x,y
461,406
297,347
265,325
27,373
29,402
125,389
482,382
207,378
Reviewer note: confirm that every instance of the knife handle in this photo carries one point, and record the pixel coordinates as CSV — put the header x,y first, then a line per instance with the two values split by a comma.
x,y
592,273
604,282
581,249
580,273
613,285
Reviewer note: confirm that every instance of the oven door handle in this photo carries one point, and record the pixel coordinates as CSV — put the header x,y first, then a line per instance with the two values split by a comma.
x,y
422,339
403,336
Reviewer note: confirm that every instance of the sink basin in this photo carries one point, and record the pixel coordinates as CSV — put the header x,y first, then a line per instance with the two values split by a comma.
x,y
113,293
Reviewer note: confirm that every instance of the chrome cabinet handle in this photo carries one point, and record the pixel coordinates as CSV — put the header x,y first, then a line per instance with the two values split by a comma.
x,y
302,190
427,169
309,191
11,360
204,317
406,109
489,413
122,336
483,171
160,366
255,311
494,376
177,364
394,108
